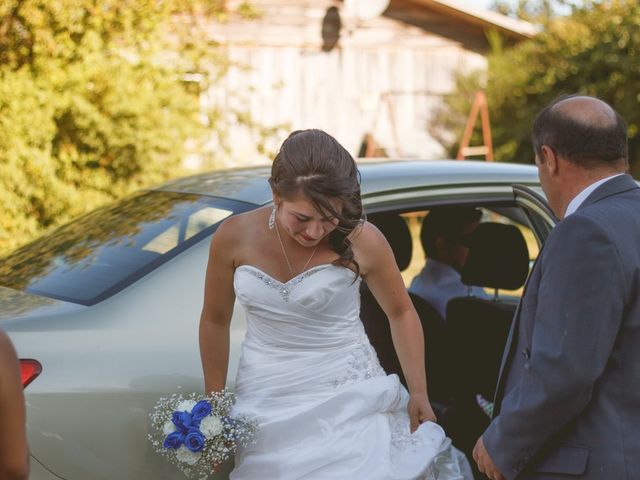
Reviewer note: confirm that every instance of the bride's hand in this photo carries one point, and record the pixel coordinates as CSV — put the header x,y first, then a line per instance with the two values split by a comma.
x,y
420,411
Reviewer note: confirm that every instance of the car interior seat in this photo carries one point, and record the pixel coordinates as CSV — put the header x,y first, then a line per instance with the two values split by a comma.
x,y
477,328
376,324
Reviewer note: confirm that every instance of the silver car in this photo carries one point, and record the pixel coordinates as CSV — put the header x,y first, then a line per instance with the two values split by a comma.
x,y
104,311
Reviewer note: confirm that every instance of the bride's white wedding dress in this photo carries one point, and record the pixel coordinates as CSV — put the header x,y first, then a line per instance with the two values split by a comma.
x,y
325,407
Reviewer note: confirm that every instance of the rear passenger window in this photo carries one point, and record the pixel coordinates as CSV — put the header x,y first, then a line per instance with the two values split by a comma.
x,y
506,215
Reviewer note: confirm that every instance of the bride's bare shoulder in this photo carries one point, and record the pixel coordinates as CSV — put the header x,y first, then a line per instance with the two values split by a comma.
x,y
366,234
237,230
368,243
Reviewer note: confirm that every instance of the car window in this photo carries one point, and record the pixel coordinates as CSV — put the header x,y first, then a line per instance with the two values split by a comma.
x,y
99,254
414,221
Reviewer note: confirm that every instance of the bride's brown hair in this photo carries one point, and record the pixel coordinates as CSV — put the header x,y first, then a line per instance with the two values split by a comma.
x,y
312,163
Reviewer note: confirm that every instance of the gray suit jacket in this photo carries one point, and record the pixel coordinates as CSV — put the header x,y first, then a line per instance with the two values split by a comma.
x,y
568,397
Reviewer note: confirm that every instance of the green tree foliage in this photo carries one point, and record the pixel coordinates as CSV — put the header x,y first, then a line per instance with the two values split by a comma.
x,y
592,51
535,11
94,103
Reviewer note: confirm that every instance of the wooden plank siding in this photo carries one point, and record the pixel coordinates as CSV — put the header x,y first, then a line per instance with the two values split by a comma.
x,y
400,64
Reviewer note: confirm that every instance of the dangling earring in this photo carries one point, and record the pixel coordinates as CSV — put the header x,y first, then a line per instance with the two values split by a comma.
x,y
272,218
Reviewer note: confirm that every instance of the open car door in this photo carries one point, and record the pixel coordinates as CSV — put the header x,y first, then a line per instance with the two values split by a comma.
x,y
537,210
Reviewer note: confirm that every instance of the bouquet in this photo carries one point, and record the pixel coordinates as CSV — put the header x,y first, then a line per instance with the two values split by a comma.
x,y
196,432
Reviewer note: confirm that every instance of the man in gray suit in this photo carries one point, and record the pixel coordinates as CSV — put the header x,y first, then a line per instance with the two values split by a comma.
x,y
568,398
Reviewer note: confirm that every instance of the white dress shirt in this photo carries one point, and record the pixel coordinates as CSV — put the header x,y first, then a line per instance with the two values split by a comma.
x,y
575,203
438,283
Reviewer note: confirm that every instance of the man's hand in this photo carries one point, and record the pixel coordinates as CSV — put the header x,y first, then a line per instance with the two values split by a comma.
x,y
485,462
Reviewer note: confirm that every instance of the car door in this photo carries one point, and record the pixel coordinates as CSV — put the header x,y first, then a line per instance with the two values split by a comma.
x,y
537,209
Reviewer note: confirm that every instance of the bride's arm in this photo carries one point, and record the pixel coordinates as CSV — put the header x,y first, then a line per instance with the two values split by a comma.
x,y
379,269
217,310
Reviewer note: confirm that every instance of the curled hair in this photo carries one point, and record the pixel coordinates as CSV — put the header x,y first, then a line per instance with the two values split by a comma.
x,y
311,163
583,141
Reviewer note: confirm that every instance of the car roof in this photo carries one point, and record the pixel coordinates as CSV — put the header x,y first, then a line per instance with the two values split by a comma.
x,y
250,184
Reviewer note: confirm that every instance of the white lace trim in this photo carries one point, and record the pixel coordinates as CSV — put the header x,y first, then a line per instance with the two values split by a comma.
x,y
401,437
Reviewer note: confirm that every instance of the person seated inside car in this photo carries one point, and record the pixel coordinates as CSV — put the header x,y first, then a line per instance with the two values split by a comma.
x,y
443,235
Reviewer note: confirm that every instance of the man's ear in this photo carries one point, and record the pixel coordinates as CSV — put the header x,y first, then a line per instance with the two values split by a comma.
x,y
549,160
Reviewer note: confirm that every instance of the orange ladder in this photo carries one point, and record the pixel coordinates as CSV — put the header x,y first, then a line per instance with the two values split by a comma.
x,y
464,151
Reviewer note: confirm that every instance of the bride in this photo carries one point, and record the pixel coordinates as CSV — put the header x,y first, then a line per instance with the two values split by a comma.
x,y
308,374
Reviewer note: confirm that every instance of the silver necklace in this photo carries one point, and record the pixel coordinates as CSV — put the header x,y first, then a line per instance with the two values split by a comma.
x,y
284,251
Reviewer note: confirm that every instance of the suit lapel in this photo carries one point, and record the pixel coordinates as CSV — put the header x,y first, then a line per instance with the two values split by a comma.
x,y
506,358
512,341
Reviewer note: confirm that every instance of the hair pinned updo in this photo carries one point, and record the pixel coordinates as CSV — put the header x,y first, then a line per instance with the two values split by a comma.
x,y
311,163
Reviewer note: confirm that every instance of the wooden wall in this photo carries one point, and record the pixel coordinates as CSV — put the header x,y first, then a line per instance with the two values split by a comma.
x,y
385,76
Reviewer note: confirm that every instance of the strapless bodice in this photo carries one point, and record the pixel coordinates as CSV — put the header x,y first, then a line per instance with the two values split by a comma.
x,y
317,309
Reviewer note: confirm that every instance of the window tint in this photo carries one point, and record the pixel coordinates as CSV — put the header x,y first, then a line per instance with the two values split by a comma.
x,y
101,253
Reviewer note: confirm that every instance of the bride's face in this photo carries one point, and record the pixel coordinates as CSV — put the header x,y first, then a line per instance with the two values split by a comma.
x,y
300,219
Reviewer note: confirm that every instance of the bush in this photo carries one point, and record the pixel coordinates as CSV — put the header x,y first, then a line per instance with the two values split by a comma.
x,y
90,106
593,51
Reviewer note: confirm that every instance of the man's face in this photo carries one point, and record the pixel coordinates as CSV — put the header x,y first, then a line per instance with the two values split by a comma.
x,y
456,249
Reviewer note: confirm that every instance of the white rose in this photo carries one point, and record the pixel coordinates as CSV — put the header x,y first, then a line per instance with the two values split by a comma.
x,y
211,426
168,428
184,455
185,406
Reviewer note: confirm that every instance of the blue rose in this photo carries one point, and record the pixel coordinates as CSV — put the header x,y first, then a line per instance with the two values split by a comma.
x,y
182,420
202,409
174,440
194,440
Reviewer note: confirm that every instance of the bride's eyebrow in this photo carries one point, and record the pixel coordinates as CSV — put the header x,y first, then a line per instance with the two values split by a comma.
x,y
301,215
305,217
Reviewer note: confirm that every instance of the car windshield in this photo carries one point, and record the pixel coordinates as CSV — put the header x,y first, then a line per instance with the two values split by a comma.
x,y
99,254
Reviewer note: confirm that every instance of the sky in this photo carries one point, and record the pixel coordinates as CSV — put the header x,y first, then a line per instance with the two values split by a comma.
x,y
480,3
487,3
